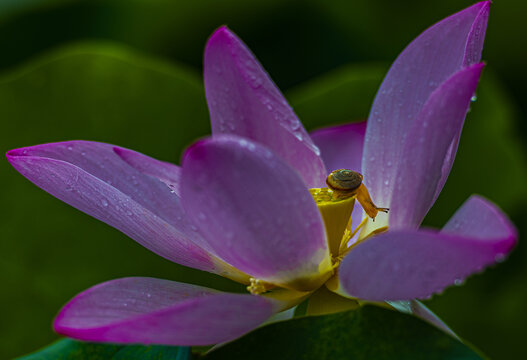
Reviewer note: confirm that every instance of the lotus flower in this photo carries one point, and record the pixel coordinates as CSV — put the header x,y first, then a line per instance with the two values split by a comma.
x,y
251,202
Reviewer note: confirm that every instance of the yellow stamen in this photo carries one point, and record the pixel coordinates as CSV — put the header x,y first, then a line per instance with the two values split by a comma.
x,y
258,286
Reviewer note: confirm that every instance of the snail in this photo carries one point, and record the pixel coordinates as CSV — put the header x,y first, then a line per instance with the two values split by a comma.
x,y
344,180
346,183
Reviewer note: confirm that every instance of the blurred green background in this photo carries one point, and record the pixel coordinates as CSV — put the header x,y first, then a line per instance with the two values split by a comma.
x,y
128,72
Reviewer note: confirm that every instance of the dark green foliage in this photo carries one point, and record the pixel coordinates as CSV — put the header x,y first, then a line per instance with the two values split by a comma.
x,y
364,334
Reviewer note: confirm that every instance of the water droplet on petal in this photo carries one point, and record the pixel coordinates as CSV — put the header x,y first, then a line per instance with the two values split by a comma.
x,y
104,202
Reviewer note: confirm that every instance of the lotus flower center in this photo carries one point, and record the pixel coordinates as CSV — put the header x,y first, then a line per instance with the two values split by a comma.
x,y
336,203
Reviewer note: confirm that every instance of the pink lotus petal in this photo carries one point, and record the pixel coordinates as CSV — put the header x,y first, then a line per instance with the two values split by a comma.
x,y
168,173
155,311
481,219
244,101
341,148
253,209
409,264
432,58
92,178
431,145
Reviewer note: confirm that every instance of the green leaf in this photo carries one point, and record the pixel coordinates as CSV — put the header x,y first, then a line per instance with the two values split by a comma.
x,y
367,333
68,349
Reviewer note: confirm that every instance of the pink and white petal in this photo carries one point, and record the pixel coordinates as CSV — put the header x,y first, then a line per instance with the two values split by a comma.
x,y
430,148
255,211
154,311
432,58
409,264
244,101
341,148
92,178
166,172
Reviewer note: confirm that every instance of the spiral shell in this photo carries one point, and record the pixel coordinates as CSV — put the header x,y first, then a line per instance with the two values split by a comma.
x,y
344,180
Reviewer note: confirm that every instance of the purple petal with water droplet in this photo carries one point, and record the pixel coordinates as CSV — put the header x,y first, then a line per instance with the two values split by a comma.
x,y
445,48
166,172
410,264
155,311
430,148
244,101
92,178
254,210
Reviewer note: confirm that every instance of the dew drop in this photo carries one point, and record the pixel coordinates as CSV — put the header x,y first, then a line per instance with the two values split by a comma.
x,y
70,148
474,98
499,258
458,282
298,135
104,202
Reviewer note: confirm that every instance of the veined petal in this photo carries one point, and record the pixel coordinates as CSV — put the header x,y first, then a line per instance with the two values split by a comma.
x,y
409,264
92,178
432,58
244,101
255,211
341,148
431,145
166,172
155,311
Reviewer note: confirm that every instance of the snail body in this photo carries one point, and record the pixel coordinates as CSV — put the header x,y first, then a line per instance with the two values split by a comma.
x,y
346,183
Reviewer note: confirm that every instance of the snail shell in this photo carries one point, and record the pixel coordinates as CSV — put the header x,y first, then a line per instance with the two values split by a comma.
x,y
344,180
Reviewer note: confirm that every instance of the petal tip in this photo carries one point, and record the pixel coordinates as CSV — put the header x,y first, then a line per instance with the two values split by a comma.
x,y
221,35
